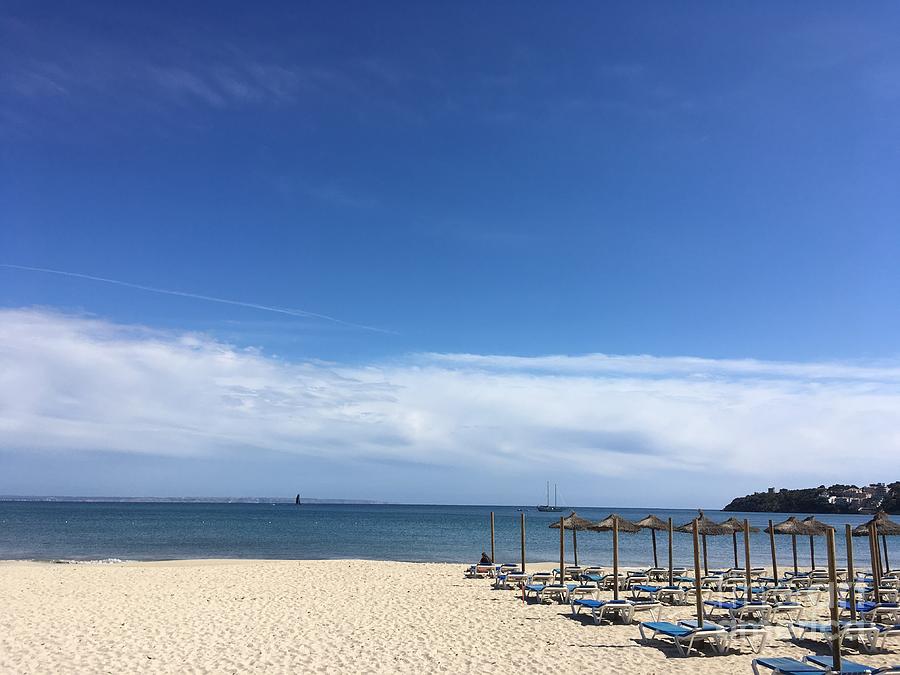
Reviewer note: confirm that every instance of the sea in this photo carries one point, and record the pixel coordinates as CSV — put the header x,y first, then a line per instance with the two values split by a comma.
x,y
102,532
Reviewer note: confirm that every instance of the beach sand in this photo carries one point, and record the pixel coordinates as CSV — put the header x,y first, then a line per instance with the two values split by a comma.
x,y
336,616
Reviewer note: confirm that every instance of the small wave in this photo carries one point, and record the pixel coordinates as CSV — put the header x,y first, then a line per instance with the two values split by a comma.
x,y
104,561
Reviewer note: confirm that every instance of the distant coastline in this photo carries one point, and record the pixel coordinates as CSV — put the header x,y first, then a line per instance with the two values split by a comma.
x,y
834,499
184,500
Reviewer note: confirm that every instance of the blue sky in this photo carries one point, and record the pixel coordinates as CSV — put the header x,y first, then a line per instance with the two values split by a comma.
x,y
514,180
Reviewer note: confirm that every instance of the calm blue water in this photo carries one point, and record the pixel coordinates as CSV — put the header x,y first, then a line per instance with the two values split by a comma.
x,y
96,531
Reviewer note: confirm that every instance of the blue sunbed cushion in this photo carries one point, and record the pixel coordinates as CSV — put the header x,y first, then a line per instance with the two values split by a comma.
x,y
647,589
667,628
588,602
724,604
537,588
846,666
786,665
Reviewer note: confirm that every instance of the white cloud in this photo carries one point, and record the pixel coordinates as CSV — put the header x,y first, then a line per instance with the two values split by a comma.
x,y
75,383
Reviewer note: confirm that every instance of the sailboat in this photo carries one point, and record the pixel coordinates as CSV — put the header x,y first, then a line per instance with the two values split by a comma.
x,y
547,507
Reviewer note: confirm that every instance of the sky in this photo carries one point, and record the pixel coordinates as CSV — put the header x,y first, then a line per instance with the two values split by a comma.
x,y
430,252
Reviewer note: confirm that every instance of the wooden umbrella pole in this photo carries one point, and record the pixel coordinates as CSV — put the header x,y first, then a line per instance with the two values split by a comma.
x,y
705,558
812,552
887,563
697,577
522,529
877,553
851,576
575,544
873,557
747,559
562,551
671,576
493,559
774,557
794,547
835,611
615,558
656,560
734,543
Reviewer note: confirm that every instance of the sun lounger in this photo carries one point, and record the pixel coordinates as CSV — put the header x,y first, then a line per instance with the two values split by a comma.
x,y
684,637
747,632
583,591
777,594
675,594
759,612
479,571
608,581
658,573
886,632
639,591
888,612
810,664
591,578
546,592
827,662
740,631
792,611
650,606
724,606
786,666
534,591
541,578
599,608
510,580
863,631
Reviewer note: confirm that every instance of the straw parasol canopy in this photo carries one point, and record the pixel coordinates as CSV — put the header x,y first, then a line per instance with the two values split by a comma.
x,y
653,524
815,527
573,522
790,526
883,526
606,525
736,526
705,527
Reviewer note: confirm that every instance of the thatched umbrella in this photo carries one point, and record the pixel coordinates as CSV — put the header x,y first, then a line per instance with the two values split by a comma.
x,y
793,527
736,526
705,527
883,526
815,528
615,523
653,524
574,522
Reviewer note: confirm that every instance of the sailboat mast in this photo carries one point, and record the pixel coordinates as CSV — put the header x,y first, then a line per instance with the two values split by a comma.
x,y
554,495
548,493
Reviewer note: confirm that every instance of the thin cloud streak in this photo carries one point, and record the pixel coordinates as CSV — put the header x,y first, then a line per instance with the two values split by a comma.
x,y
299,313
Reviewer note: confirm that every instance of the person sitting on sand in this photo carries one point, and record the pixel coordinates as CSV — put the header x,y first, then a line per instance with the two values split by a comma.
x,y
485,559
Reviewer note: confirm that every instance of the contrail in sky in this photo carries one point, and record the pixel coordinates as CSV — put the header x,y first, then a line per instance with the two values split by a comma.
x,y
196,296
